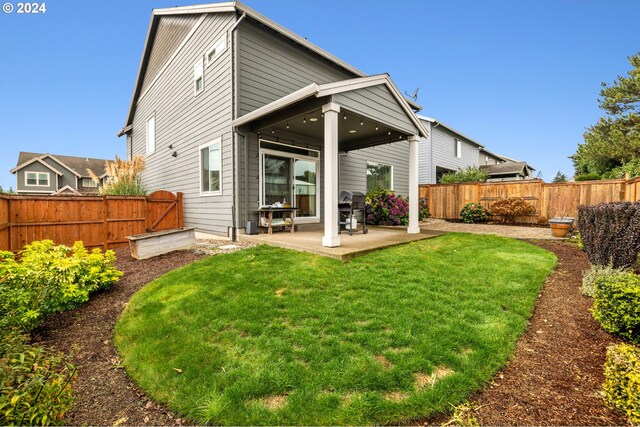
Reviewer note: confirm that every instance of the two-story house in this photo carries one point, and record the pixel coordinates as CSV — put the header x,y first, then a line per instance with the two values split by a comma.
x,y
237,112
53,174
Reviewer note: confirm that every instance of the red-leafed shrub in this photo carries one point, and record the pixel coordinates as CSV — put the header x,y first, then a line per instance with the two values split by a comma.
x,y
508,209
610,233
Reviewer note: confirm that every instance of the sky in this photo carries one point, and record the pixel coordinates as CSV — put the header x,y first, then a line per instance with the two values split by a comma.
x,y
520,77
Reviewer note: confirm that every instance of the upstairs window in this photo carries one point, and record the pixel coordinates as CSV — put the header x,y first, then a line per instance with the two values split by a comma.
x,y
211,167
151,135
458,148
37,179
198,78
217,50
379,176
89,183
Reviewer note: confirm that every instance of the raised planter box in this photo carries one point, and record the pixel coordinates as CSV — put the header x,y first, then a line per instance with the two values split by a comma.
x,y
148,245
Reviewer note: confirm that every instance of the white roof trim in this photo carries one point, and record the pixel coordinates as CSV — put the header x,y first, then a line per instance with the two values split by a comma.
x,y
432,120
39,160
65,188
318,91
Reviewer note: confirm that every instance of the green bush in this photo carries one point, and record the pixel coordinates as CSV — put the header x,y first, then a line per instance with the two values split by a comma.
x,y
35,383
616,304
506,210
588,287
622,380
474,212
469,174
46,279
588,177
423,210
611,233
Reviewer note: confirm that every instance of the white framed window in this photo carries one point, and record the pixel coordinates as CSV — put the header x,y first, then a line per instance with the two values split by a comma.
x,y
379,176
211,167
218,49
89,183
458,148
151,135
198,77
36,179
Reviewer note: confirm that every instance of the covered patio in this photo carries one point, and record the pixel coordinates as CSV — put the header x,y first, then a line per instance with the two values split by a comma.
x,y
332,120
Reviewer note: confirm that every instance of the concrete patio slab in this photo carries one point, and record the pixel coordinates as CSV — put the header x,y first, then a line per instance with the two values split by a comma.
x,y
350,246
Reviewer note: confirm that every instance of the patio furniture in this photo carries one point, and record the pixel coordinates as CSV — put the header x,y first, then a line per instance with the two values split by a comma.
x,y
286,219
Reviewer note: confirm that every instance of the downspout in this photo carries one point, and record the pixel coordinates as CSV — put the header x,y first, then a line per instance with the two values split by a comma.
x,y
234,143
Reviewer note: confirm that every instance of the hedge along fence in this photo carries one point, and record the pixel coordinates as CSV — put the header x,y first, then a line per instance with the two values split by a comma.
x,y
549,200
98,221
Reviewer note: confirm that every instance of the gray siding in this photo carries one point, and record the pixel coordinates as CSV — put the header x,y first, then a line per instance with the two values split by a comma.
x,y
379,104
439,150
170,33
186,122
270,67
424,156
353,167
67,178
35,167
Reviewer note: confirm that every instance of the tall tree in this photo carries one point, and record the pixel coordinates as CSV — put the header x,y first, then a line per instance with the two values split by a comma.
x,y
560,177
615,140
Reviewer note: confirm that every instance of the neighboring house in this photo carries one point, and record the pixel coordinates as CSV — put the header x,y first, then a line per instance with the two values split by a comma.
x,y
237,112
509,171
489,158
52,174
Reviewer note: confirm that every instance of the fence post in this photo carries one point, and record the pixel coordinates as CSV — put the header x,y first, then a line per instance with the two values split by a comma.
x,y
179,207
540,194
623,190
9,220
105,223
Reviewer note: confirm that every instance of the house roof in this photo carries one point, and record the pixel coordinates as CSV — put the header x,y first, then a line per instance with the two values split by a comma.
x,y
498,156
317,91
509,168
229,7
77,165
432,120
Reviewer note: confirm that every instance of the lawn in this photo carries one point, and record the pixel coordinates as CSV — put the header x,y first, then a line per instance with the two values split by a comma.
x,y
272,336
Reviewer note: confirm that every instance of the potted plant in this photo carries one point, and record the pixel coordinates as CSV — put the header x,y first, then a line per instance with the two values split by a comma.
x,y
561,223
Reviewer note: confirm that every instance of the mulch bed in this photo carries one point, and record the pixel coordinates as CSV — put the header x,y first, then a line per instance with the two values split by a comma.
x,y
554,378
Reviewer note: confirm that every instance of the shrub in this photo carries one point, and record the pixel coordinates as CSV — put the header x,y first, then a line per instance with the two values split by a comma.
x,y
35,383
622,380
506,210
124,177
47,279
423,210
385,208
469,174
588,177
474,212
611,233
616,304
588,287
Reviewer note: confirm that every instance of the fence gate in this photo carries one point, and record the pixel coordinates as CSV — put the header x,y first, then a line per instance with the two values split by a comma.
x,y
164,211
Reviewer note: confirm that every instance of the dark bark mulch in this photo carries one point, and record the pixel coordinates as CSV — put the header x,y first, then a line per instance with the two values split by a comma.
x,y
554,377
104,393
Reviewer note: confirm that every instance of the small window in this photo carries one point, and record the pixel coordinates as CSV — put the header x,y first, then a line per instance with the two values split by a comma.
x,y
37,179
211,167
151,135
89,183
215,52
198,78
458,148
379,176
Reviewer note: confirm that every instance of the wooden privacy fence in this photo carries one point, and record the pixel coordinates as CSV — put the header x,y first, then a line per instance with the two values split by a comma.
x,y
99,221
549,200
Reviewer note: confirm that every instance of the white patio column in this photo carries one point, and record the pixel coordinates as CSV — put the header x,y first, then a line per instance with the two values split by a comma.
x,y
331,238
414,201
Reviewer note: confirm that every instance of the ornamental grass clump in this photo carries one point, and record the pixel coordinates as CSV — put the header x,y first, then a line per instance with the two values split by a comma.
x,y
622,380
123,177
611,233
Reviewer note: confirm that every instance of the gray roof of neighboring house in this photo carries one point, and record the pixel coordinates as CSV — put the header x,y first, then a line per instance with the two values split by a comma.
x,y
232,6
79,165
432,120
508,168
499,156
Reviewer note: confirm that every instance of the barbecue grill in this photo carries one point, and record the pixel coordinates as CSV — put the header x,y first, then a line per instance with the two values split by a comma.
x,y
349,204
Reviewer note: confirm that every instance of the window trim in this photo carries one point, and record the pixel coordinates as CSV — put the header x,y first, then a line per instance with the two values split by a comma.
x,y
217,140
26,174
147,133
379,164
94,184
198,74
458,148
217,54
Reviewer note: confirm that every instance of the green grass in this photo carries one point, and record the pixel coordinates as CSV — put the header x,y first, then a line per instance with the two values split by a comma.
x,y
271,336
